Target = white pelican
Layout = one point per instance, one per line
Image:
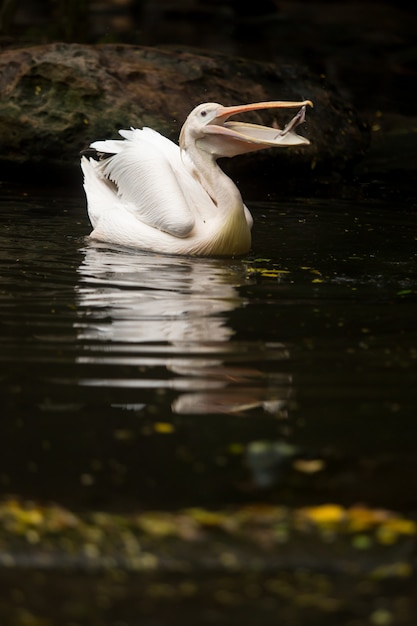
(145, 191)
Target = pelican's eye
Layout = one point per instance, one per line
(203, 113)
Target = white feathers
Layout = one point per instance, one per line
(144, 168)
(146, 192)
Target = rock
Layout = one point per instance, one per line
(57, 98)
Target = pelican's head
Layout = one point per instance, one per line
(207, 128)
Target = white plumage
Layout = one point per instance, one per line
(145, 191)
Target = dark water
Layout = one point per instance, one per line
(134, 380)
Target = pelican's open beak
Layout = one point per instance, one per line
(224, 138)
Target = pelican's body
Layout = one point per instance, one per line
(149, 193)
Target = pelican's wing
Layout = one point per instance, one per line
(150, 179)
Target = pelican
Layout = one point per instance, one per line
(145, 191)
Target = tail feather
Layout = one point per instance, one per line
(100, 191)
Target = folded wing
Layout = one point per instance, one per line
(150, 180)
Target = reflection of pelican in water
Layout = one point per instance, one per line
(152, 314)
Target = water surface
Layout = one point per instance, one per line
(133, 380)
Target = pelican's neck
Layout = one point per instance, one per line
(232, 235)
(221, 189)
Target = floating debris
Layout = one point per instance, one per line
(259, 536)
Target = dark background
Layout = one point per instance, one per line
(366, 50)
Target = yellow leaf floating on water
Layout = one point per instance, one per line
(393, 570)
(268, 272)
(30, 516)
(389, 527)
(204, 517)
(309, 466)
(362, 518)
(164, 428)
(157, 524)
(310, 269)
(273, 273)
(390, 531)
(359, 519)
(20, 517)
(325, 515)
(403, 526)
